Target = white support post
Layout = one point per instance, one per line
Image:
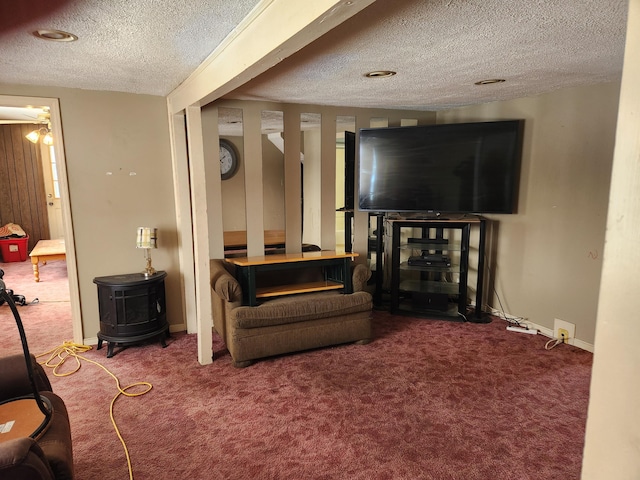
(204, 319)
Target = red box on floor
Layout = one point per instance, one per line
(14, 249)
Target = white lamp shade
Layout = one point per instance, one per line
(147, 237)
(33, 136)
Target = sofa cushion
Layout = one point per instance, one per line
(300, 308)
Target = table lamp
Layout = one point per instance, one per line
(147, 239)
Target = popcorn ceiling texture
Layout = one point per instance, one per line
(141, 46)
(439, 49)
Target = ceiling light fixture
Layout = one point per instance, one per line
(43, 132)
(55, 35)
(490, 81)
(380, 74)
(34, 136)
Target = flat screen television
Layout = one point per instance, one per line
(446, 168)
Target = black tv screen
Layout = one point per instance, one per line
(447, 168)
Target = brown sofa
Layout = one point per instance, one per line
(48, 458)
(290, 323)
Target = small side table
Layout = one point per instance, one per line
(44, 251)
(132, 309)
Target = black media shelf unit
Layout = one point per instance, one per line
(430, 267)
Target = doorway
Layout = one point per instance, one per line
(52, 192)
(7, 103)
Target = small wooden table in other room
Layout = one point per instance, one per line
(44, 251)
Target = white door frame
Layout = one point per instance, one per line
(61, 162)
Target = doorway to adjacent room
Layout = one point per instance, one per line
(17, 109)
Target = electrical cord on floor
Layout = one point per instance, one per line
(59, 355)
(555, 341)
(500, 313)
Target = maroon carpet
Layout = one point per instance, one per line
(47, 315)
(426, 399)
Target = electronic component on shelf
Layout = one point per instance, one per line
(429, 261)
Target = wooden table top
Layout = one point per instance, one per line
(48, 247)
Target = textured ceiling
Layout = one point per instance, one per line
(137, 46)
(439, 49)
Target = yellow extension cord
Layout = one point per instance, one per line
(59, 355)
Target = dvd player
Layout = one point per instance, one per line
(429, 261)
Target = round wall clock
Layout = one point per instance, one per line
(228, 159)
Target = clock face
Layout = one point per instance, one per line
(228, 160)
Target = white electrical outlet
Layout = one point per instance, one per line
(570, 328)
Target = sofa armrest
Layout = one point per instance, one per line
(14, 380)
(228, 288)
(223, 283)
(22, 458)
(361, 274)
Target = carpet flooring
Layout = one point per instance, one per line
(426, 399)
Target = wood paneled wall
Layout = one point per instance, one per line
(22, 196)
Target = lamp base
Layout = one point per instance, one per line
(149, 271)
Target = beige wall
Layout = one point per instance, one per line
(233, 191)
(122, 134)
(272, 185)
(312, 188)
(548, 257)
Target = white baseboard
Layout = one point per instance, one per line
(576, 342)
(547, 332)
(584, 345)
